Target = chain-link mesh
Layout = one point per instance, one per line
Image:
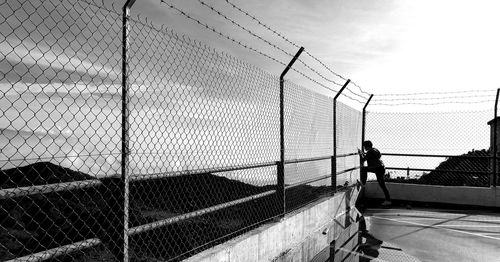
(59, 124)
(437, 148)
(308, 135)
(195, 112)
(203, 137)
(349, 129)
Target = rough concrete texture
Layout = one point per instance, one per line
(300, 236)
(346, 244)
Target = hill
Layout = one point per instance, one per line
(38, 222)
(456, 171)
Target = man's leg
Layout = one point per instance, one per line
(363, 175)
(360, 202)
(380, 179)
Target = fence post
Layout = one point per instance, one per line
(281, 163)
(493, 180)
(125, 131)
(364, 120)
(363, 127)
(334, 157)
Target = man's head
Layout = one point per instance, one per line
(367, 145)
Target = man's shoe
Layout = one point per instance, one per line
(386, 203)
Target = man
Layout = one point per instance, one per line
(374, 165)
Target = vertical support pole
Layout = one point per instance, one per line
(281, 163)
(334, 157)
(125, 132)
(363, 127)
(494, 176)
(364, 120)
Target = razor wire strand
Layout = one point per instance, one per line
(436, 103)
(210, 28)
(268, 42)
(431, 98)
(438, 93)
(290, 42)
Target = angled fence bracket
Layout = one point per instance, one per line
(334, 156)
(363, 131)
(281, 164)
(363, 128)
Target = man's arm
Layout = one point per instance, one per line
(362, 156)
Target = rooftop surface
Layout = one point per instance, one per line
(431, 234)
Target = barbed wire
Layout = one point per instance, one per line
(262, 24)
(361, 90)
(439, 103)
(268, 43)
(220, 33)
(431, 112)
(435, 93)
(356, 94)
(431, 98)
(210, 28)
(243, 28)
(290, 42)
(354, 99)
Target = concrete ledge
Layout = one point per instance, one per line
(299, 236)
(473, 196)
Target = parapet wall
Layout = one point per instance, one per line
(304, 235)
(472, 196)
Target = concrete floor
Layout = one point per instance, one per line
(438, 235)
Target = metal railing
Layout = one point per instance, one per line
(455, 170)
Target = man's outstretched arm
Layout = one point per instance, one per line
(362, 155)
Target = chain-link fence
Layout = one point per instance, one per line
(185, 159)
(435, 148)
(349, 135)
(59, 120)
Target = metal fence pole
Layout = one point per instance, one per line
(364, 120)
(334, 157)
(125, 129)
(281, 163)
(363, 127)
(493, 181)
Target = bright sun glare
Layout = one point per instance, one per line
(443, 46)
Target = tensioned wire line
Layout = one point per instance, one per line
(431, 98)
(240, 43)
(435, 93)
(274, 46)
(250, 48)
(292, 43)
(435, 103)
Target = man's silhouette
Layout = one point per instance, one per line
(374, 165)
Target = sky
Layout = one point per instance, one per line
(385, 46)
(63, 69)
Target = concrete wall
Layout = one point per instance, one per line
(303, 235)
(474, 196)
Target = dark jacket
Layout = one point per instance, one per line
(372, 157)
